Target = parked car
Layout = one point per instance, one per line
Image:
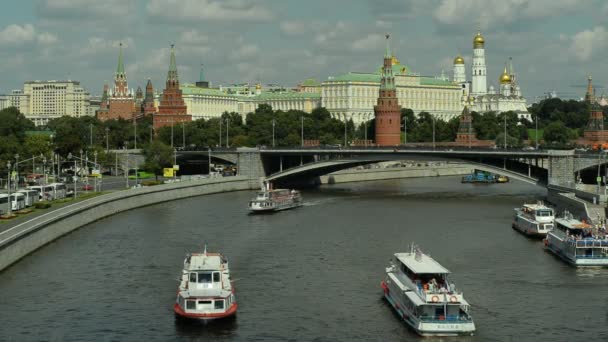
(88, 187)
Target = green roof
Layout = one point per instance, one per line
(435, 81)
(189, 89)
(310, 82)
(120, 69)
(356, 77)
(269, 95)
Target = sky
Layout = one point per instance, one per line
(555, 44)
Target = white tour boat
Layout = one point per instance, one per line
(417, 287)
(205, 291)
(534, 219)
(578, 243)
(274, 200)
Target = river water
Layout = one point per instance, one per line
(309, 274)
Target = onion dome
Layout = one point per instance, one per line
(478, 41)
(505, 78)
(258, 86)
(458, 60)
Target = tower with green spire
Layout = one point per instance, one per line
(201, 83)
(387, 111)
(121, 88)
(172, 108)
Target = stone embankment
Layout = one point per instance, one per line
(24, 238)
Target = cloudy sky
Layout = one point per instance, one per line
(554, 43)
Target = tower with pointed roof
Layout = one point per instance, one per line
(121, 104)
(596, 116)
(171, 109)
(387, 112)
(466, 133)
(148, 104)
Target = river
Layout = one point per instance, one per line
(309, 274)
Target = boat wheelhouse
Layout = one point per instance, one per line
(205, 291)
(578, 242)
(419, 290)
(534, 219)
(275, 200)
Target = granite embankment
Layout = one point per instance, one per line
(24, 238)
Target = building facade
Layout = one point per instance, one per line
(41, 101)
(172, 108)
(508, 97)
(119, 99)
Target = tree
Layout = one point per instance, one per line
(157, 156)
(558, 133)
(12, 122)
(38, 144)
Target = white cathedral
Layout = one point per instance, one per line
(507, 98)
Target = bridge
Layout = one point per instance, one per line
(305, 165)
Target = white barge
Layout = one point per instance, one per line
(418, 288)
(275, 200)
(205, 291)
(534, 219)
(577, 242)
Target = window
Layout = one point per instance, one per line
(190, 304)
(204, 302)
(219, 304)
(216, 277)
(204, 277)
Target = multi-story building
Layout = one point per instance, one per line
(353, 95)
(41, 101)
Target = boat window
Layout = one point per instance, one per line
(219, 304)
(193, 277)
(544, 213)
(191, 304)
(204, 277)
(204, 302)
(216, 277)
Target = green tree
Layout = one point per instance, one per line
(558, 134)
(37, 144)
(13, 123)
(157, 156)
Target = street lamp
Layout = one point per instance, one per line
(227, 132)
(183, 135)
(302, 129)
(107, 140)
(46, 180)
(135, 133)
(273, 124)
(221, 131)
(16, 170)
(504, 115)
(10, 204)
(365, 129)
(91, 135)
(433, 117)
(345, 120)
(86, 165)
(126, 168)
(151, 133)
(171, 132)
(98, 169)
(405, 130)
(75, 177)
(536, 131)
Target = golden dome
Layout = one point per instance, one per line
(478, 41)
(505, 78)
(395, 61)
(458, 60)
(258, 86)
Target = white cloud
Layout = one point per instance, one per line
(15, 34)
(295, 27)
(195, 10)
(497, 12)
(585, 43)
(84, 9)
(372, 41)
(193, 37)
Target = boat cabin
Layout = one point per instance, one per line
(538, 212)
(585, 241)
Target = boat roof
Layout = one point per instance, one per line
(421, 263)
(537, 206)
(572, 223)
(205, 261)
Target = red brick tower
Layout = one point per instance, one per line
(120, 100)
(172, 108)
(387, 111)
(148, 104)
(594, 132)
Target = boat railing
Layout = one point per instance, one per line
(446, 319)
(589, 243)
(439, 295)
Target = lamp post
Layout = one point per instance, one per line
(75, 177)
(345, 130)
(98, 169)
(183, 135)
(174, 161)
(86, 165)
(90, 135)
(227, 132)
(432, 116)
(151, 133)
(10, 204)
(171, 133)
(127, 164)
(107, 140)
(405, 130)
(209, 160)
(365, 130)
(505, 125)
(536, 131)
(221, 131)
(273, 124)
(302, 129)
(135, 134)
(16, 170)
(598, 179)
(46, 180)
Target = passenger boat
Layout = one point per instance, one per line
(578, 242)
(274, 200)
(419, 290)
(205, 291)
(534, 219)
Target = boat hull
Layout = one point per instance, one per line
(574, 261)
(179, 312)
(435, 328)
(255, 210)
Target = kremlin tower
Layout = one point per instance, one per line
(387, 111)
(172, 108)
(594, 134)
(148, 104)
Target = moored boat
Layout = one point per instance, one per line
(577, 242)
(275, 200)
(418, 288)
(205, 291)
(534, 219)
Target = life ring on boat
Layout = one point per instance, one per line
(546, 242)
(435, 299)
(453, 299)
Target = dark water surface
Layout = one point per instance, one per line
(309, 274)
